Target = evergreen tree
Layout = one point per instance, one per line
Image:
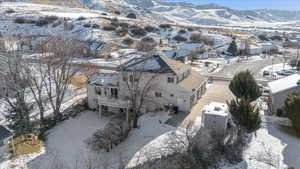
(292, 107)
(233, 49)
(244, 114)
(244, 86)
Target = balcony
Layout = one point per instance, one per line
(119, 102)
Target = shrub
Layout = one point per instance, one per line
(292, 107)
(95, 26)
(56, 24)
(165, 26)
(41, 22)
(263, 37)
(180, 38)
(81, 18)
(276, 37)
(136, 31)
(245, 114)
(117, 12)
(51, 19)
(146, 44)
(182, 31)
(121, 32)
(151, 28)
(9, 11)
(191, 29)
(109, 28)
(128, 41)
(131, 15)
(196, 38)
(19, 20)
(87, 25)
(124, 25)
(115, 22)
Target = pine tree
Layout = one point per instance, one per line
(244, 114)
(244, 86)
(233, 49)
(292, 107)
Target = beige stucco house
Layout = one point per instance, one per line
(174, 85)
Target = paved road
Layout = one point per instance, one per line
(254, 66)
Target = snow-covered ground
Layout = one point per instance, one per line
(65, 142)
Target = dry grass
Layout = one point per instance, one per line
(24, 145)
(79, 81)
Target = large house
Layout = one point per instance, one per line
(280, 89)
(174, 85)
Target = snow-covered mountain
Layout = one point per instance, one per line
(211, 14)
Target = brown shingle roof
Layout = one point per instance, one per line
(176, 66)
(192, 82)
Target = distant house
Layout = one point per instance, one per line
(177, 87)
(279, 90)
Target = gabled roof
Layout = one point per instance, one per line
(4, 133)
(284, 83)
(155, 63)
(192, 82)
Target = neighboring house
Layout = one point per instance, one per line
(279, 89)
(177, 87)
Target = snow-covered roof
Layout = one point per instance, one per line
(215, 108)
(155, 63)
(103, 79)
(284, 83)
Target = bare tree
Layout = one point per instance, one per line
(139, 83)
(57, 69)
(15, 96)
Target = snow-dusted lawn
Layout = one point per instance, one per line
(66, 141)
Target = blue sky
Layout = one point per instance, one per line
(250, 4)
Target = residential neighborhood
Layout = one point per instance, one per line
(149, 84)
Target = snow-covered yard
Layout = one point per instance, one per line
(65, 142)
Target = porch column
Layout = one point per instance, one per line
(127, 116)
(100, 111)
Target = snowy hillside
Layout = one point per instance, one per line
(210, 14)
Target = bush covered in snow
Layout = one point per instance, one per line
(165, 26)
(21, 20)
(150, 28)
(109, 28)
(131, 15)
(180, 38)
(182, 31)
(138, 32)
(128, 41)
(114, 133)
(146, 44)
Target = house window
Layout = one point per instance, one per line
(170, 79)
(114, 92)
(157, 94)
(98, 90)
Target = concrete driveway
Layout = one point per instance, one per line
(217, 92)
